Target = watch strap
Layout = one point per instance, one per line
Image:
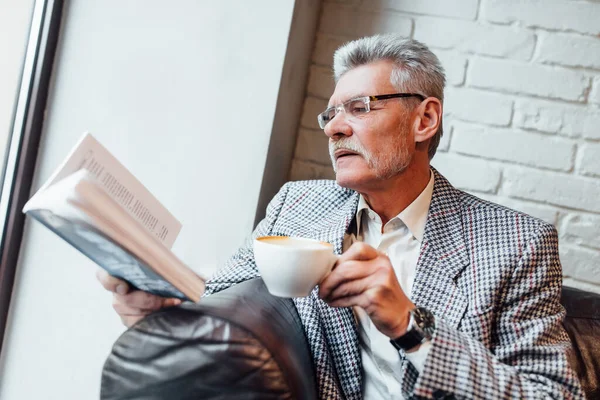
(409, 340)
(420, 328)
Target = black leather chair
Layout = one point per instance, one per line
(243, 343)
(583, 326)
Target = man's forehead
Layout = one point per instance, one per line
(365, 80)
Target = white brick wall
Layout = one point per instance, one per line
(527, 79)
(527, 148)
(464, 9)
(476, 105)
(553, 15)
(570, 50)
(579, 120)
(471, 37)
(590, 160)
(522, 109)
(595, 95)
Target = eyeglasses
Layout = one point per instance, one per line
(358, 106)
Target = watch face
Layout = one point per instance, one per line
(424, 320)
(422, 329)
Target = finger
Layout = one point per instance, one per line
(139, 299)
(145, 300)
(344, 272)
(359, 251)
(171, 302)
(124, 309)
(111, 283)
(351, 288)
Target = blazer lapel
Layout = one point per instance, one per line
(443, 256)
(332, 332)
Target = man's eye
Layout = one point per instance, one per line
(357, 107)
(329, 114)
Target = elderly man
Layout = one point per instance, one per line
(436, 293)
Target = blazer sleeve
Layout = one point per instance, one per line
(527, 356)
(241, 266)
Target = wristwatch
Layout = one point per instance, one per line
(420, 329)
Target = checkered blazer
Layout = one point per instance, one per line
(490, 275)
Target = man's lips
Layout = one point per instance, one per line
(344, 153)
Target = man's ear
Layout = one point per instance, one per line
(428, 119)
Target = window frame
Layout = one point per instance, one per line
(24, 139)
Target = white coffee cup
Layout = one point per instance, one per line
(292, 266)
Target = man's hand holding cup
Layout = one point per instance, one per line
(361, 277)
(364, 277)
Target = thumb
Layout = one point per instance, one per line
(111, 283)
(171, 302)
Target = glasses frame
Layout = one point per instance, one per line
(366, 100)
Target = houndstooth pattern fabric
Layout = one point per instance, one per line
(490, 275)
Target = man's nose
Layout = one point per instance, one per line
(338, 126)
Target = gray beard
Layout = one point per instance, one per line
(384, 167)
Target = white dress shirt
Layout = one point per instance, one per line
(400, 239)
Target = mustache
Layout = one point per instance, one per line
(346, 144)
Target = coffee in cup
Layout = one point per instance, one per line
(292, 266)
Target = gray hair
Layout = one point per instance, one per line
(416, 70)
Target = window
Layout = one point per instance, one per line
(25, 72)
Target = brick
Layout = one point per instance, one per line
(312, 108)
(576, 283)
(595, 93)
(537, 80)
(446, 137)
(312, 145)
(320, 82)
(552, 117)
(578, 16)
(590, 160)
(325, 46)
(580, 263)
(455, 66)
(559, 189)
(472, 37)
(582, 230)
(464, 9)
(570, 50)
(304, 170)
(520, 147)
(339, 20)
(478, 106)
(468, 173)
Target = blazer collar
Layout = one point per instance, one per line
(443, 256)
(444, 226)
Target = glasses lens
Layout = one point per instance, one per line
(357, 106)
(326, 116)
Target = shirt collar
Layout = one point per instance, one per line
(413, 216)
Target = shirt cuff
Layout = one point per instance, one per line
(417, 358)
